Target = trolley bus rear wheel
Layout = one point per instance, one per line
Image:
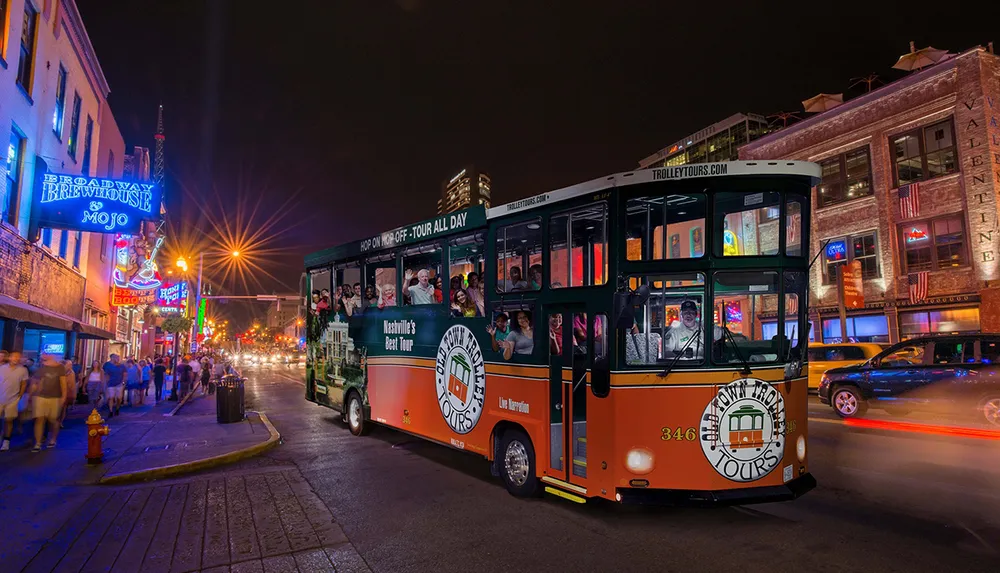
(847, 402)
(517, 464)
(355, 413)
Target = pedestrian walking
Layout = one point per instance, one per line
(47, 398)
(13, 385)
(218, 371)
(133, 378)
(145, 371)
(195, 364)
(94, 383)
(72, 386)
(159, 373)
(206, 375)
(114, 383)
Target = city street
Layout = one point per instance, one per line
(887, 501)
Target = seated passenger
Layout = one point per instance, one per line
(535, 275)
(515, 282)
(520, 341)
(688, 330)
(463, 307)
(499, 331)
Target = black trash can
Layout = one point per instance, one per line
(229, 406)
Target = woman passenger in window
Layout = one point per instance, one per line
(456, 285)
(535, 274)
(463, 305)
(386, 295)
(515, 282)
(475, 294)
(555, 334)
(439, 291)
(520, 341)
(371, 299)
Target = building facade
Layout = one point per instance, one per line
(718, 142)
(911, 173)
(469, 187)
(53, 106)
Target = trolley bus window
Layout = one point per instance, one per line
(578, 248)
(669, 325)
(796, 329)
(519, 257)
(747, 223)
(600, 381)
(512, 332)
(669, 227)
(741, 297)
(793, 226)
(380, 276)
(465, 269)
(421, 275)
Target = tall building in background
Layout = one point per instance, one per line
(469, 187)
(718, 142)
(137, 165)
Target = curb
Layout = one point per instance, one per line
(193, 466)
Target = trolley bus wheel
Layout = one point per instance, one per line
(517, 464)
(355, 414)
(847, 402)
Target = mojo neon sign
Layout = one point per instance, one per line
(93, 204)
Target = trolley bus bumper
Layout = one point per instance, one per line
(766, 494)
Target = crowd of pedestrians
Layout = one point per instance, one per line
(42, 394)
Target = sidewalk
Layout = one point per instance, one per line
(145, 442)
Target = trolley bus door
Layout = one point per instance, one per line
(569, 365)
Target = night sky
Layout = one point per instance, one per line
(364, 107)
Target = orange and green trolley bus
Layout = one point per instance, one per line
(638, 337)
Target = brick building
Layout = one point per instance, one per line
(938, 128)
(53, 108)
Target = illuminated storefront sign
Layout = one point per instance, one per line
(131, 297)
(135, 263)
(93, 204)
(172, 298)
(836, 251)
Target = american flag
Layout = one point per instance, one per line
(918, 286)
(909, 200)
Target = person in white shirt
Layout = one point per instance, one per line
(679, 335)
(13, 383)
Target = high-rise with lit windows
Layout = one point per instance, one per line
(468, 187)
(717, 142)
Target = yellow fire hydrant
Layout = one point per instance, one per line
(95, 429)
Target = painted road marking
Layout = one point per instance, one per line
(296, 380)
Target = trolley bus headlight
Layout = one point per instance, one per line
(639, 461)
(800, 448)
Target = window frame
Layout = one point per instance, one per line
(419, 251)
(933, 245)
(650, 278)
(59, 121)
(547, 241)
(88, 140)
(919, 133)
(74, 127)
(649, 234)
(12, 207)
(848, 240)
(841, 159)
(30, 17)
(499, 278)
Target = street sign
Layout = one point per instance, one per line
(851, 285)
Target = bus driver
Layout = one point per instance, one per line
(679, 335)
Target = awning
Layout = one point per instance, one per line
(14, 309)
(24, 312)
(92, 332)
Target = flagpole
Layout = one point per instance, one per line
(840, 302)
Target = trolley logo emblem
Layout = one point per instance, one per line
(743, 430)
(460, 377)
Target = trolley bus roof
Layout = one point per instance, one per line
(477, 216)
(675, 173)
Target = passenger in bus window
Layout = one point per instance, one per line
(423, 291)
(456, 285)
(475, 294)
(357, 296)
(499, 331)
(439, 290)
(370, 300)
(535, 274)
(555, 334)
(463, 306)
(386, 295)
(520, 341)
(515, 282)
(323, 307)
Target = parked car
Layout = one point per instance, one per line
(943, 374)
(823, 357)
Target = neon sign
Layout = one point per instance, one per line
(93, 204)
(135, 264)
(836, 251)
(915, 234)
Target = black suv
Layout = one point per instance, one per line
(943, 374)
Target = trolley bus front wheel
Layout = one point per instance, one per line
(517, 464)
(355, 414)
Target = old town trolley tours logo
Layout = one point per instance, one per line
(743, 429)
(460, 377)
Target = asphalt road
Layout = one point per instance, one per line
(888, 500)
